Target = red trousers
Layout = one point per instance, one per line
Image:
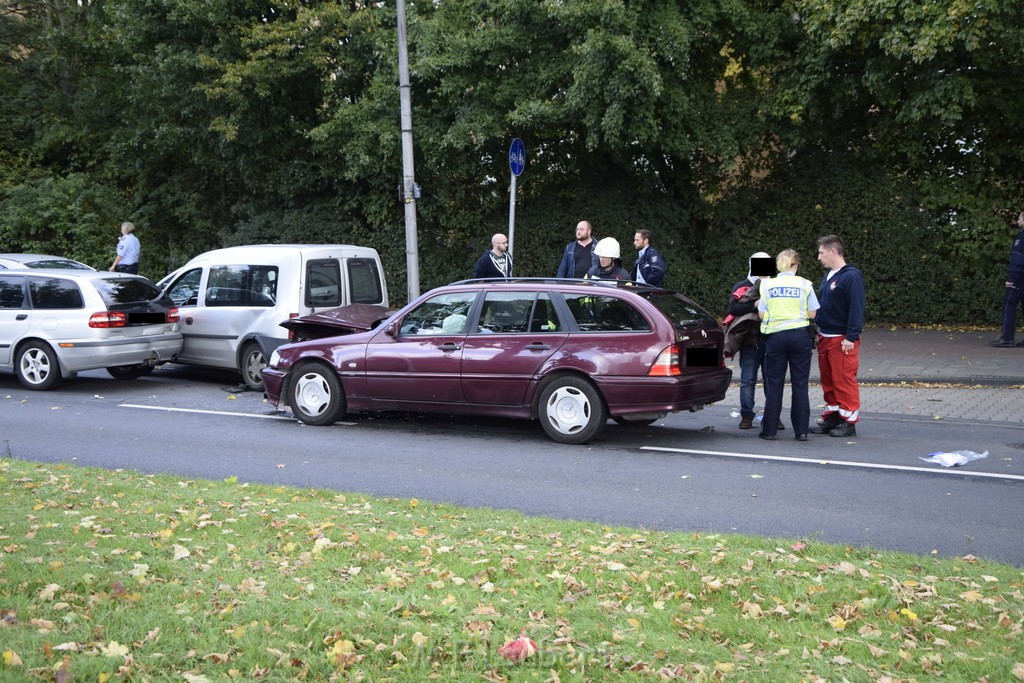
(839, 378)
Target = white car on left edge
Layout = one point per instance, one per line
(55, 323)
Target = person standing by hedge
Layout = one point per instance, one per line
(128, 251)
(650, 266)
(495, 262)
(578, 257)
(840, 321)
(1014, 285)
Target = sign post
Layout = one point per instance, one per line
(516, 164)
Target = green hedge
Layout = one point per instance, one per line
(887, 232)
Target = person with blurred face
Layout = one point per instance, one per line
(742, 325)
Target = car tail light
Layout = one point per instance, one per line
(172, 314)
(667, 364)
(291, 333)
(107, 319)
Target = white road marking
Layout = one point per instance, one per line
(841, 463)
(218, 412)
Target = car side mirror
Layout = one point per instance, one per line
(390, 331)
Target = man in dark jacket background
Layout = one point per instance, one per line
(578, 257)
(1014, 294)
(496, 261)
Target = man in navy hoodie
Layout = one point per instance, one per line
(840, 321)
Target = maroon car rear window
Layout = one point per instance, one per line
(682, 312)
(597, 313)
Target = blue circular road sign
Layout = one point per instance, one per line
(517, 157)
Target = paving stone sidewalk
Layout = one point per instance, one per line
(901, 355)
(979, 382)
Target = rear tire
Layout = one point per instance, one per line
(251, 364)
(37, 367)
(315, 394)
(571, 410)
(128, 372)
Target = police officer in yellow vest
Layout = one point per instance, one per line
(788, 303)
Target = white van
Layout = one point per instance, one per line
(232, 301)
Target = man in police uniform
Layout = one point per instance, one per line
(786, 308)
(649, 266)
(1014, 295)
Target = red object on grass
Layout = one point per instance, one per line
(519, 649)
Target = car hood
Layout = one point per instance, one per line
(351, 318)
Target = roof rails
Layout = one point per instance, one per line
(620, 284)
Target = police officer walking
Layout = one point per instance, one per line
(787, 305)
(1014, 294)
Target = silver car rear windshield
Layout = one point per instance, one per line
(126, 291)
(62, 264)
(682, 312)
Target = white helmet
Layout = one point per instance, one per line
(608, 247)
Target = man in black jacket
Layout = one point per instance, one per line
(496, 261)
(1014, 289)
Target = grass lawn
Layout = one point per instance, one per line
(116, 575)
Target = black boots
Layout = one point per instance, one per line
(826, 425)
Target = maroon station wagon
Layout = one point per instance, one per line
(571, 353)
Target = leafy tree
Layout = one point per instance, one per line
(928, 90)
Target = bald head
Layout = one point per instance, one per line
(499, 243)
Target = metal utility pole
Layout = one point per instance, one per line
(412, 258)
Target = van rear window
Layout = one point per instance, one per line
(242, 285)
(323, 284)
(365, 278)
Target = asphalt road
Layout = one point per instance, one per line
(689, 472)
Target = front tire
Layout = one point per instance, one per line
(315, 394)
(571, 410)
(251, 364)
(128, 372)
(38, 368)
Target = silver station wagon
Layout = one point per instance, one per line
(54, 323)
